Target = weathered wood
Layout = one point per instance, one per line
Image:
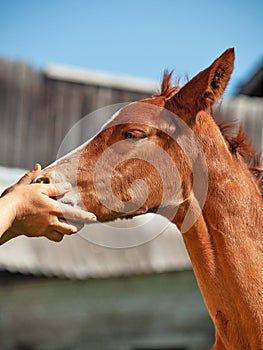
(36, 111)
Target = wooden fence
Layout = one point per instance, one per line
(38, 108)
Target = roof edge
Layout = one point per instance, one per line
(98, 78)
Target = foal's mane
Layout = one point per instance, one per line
(167, 89)
(233, 133)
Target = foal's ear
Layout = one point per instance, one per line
(201, 92)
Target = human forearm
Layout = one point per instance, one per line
(7, 210)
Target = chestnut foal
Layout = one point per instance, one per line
(224, 237)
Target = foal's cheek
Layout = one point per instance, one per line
(123, 147)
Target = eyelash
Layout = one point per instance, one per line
(134, 135)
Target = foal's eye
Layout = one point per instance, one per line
(134, 134)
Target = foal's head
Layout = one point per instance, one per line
(144, 158)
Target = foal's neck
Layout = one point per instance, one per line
(225, 247)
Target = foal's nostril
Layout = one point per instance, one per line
(43, 180)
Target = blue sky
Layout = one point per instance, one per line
(137, 37)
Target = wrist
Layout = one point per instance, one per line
(10, 202)
(8, 207)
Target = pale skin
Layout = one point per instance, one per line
(27, 209)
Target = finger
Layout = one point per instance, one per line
(77, 224)
(56, 190)
(75, 214)
(30, 176)
(65, 228)
(54, 236)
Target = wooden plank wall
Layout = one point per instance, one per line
(36, 112)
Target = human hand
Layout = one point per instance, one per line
(35, 214)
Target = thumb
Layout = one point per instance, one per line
(30, 176)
